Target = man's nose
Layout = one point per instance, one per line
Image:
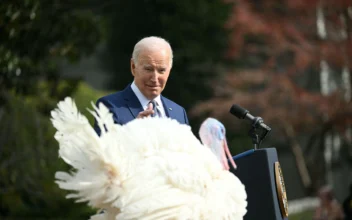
(154, 77)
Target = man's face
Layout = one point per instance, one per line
(152, 71)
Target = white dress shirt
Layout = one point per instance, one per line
(144, 101)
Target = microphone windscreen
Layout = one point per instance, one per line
(238, 111)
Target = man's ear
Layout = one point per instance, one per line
(133, 67)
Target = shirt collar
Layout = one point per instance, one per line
(142, 99)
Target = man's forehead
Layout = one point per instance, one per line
(154, 57)
(154, 62)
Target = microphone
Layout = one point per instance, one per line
(242, 113)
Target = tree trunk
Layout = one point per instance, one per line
(325, 90)
(299, 157)
(346, 18)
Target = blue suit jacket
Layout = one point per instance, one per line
(125, 107)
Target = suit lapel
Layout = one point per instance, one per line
(132, 102)
(168, 110)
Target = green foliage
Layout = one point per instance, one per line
(84, 96)
(195, 30)
(28, 162)
(36, 34)
(302, 216)
(29, 158)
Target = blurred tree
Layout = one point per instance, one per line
(277, 73)
(29, 160)
(195, 30)
(37, 34)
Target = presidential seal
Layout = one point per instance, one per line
(281, 190)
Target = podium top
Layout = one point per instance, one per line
(249, 152)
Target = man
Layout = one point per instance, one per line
(151, 64)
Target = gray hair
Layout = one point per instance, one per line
(150, 43)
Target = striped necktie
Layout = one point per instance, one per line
(156, 110)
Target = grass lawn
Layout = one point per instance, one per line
(307, 215)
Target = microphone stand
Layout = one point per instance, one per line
(255, 137)
(258, 137)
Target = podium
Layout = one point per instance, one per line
(259, 170)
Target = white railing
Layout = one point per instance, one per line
(301, 205)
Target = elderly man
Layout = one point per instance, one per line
(151, 63)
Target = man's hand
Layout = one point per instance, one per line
(149, 111)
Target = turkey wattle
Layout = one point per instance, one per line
(151, 168)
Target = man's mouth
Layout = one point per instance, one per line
(152, 87)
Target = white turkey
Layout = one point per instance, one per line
(151, 168)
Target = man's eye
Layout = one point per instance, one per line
(149, 69)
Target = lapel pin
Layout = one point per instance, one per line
(170, 109)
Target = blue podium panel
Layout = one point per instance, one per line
(260, 172)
